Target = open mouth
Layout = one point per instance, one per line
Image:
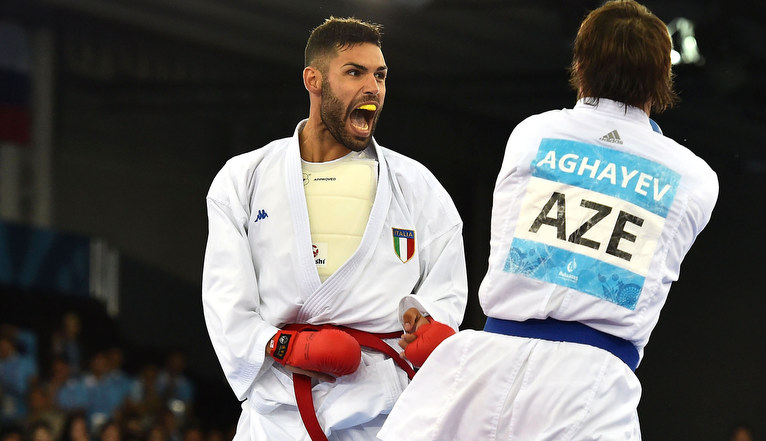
(361, 117)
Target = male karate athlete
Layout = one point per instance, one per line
(593, 211)
(322, 248)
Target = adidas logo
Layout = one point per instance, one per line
(612, 137)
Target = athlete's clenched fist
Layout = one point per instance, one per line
(422, 335)
(329, 351)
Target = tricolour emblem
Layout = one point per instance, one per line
(404, 243)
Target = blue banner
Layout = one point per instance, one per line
(44, 260)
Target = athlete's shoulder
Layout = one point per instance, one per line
(402, 163)
(540, 123)
(253, 158)
(544, 118)
(239, 171)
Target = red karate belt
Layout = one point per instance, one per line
(302, 383)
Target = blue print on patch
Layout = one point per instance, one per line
(586, 274)
(634, 179)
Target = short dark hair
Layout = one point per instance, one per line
(622, 53)
(335, 34)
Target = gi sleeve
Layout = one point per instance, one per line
(230, 295)
(443, 288)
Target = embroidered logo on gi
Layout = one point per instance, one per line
(404, 243)
(261, 215)
(612, 137)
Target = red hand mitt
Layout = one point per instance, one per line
(429, 337)
(331, 351)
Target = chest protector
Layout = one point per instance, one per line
(339, 196)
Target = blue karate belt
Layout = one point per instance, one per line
(572, 332)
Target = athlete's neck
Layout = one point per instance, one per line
(317, 143)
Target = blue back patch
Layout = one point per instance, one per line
(591, 219)
(632, 178)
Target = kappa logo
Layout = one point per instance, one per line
(261, 215)
(612, 137)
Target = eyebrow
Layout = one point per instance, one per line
(364, 68)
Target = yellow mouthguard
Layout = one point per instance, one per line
(371, 107)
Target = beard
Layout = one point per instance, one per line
(334, 115)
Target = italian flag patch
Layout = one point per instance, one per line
(404, 243)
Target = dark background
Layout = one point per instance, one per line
(152, 96)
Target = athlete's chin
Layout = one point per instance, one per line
(358, 147)
(358, 143)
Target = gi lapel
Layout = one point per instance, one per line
(303, 263)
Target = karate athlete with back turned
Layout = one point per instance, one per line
(593, 211)
(323, 247)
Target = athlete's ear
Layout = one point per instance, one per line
(312, 80)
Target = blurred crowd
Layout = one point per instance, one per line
(59, 387)
(66, 391)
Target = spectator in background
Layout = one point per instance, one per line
(40, 431)
(42, 410)
(76, 428)
(157, 432)
(144, 397)
(116, 376)
(132, 424)
(174, 386)
(104, 396)
(66, 390)
(67, 341)
(25, 340)
(68, 406)
(17, 371)
(171, 425)
(109, 431)
(192, 432)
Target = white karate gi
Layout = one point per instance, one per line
(593, 212)
(259, 275)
